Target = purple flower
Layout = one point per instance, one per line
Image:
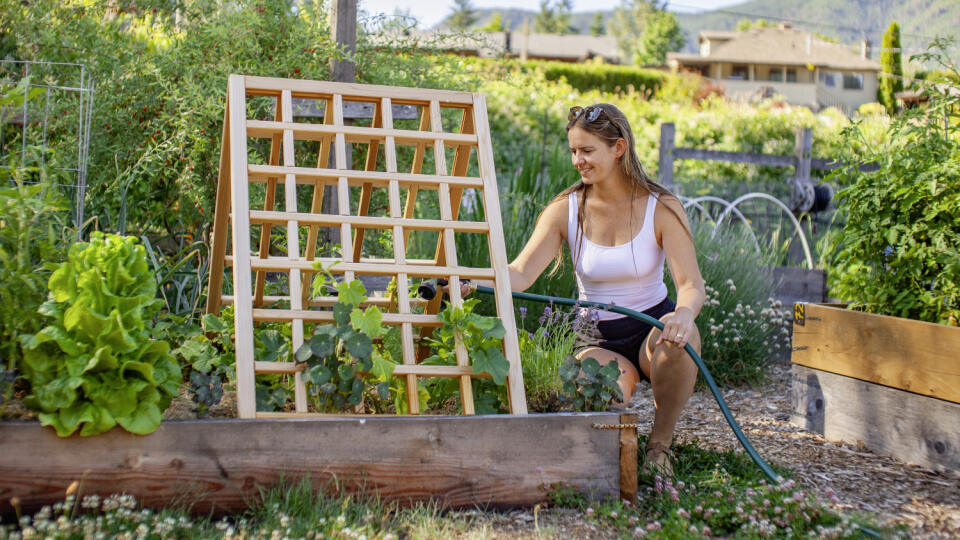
(523, 312)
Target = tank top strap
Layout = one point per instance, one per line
(649, 213)
(572, 210)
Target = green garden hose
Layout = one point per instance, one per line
(767, 470)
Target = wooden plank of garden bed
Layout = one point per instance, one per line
(219, 465)
(916, 356)
(916, 429)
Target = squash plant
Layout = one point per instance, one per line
(95, 365)
(483, 338)
(340, 358)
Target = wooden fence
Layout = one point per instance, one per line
(805, 192)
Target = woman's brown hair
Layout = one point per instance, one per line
(610, 126)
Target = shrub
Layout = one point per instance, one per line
(899, 252)
(95, 365)
(33, 234)
(604, 77)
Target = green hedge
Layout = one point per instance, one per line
(604, 77)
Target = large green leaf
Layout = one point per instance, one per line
(493, 362)
(367, 321)
(590, 366)
(274, 346)
(199, 353)
(352, 293)
(359, 346)
(67, 344)
(382, 368)
(322, 345)
(58, 393)
(102, 359)
(341, 313)
(214, 324)
(145, 419)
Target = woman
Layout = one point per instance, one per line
(621, 227)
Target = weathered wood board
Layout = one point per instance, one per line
(915, 356)
(916, 429)
(220, 465)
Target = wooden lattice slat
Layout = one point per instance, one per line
(448, 180)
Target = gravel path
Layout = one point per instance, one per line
(927, 501)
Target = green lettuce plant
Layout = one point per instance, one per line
(95, 365)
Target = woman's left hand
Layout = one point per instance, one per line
(677, 327)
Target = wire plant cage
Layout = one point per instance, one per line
(45, 115)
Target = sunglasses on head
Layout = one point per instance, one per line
(592, 113)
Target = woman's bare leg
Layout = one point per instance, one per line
(672, 375)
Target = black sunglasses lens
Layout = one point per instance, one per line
(575, 113)
(593, 113)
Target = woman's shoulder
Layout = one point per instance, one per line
(558, 208)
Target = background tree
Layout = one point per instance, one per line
(495, 24)
(891, 69)
(464, 15)
(645, 31)
(745, 24)
(597, 27)
(554, 17)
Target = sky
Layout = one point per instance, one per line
(430, 12)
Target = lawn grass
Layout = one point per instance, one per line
(715, 494)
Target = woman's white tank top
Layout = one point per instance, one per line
(629, 275)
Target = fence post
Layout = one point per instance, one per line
(343, 29)
(665, 166)
(802, 195)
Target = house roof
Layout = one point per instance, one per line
(784, 46)
(717, 34)
(572, 46)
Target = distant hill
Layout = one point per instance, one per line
(848, 21)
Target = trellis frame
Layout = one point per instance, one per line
(233, 213)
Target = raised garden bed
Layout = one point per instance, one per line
(890, 384)
(220, 465)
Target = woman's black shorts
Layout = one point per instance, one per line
(626, 335)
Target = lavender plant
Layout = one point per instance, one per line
(544, 351)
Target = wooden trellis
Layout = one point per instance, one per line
(249, 269)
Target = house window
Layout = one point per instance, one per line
(827, 79)
(739, 73)
(853, 81)
(776, 74)
(791, 75)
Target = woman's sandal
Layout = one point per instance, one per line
(658, 460)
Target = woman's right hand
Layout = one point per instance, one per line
(465, 289)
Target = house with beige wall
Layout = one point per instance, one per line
(795, 64)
